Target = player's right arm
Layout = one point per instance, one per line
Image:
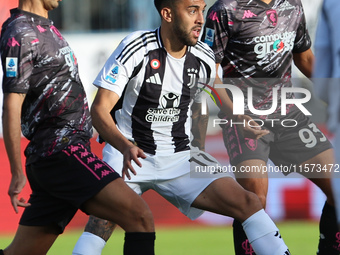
(111, 82)
(304, 62)
(11, 120)
(253, 130)
(15, 85)
(216, 34)
(102, 120)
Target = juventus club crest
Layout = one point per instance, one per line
(272, 17)
(192, 73)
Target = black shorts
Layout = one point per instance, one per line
(61, 183)
(292, 140)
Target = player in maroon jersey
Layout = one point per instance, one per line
(255, 42)
(45, 99)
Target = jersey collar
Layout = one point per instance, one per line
(270, 5)
(31, 16)
(159, 38)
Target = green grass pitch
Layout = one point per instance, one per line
(300, 236)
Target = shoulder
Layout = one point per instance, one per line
(222, 5)
(203, 52)
(137, 43)
(221, 10)
(18, 32)
(18, 26)
(141, 37)
(297, 2)
(290, 3)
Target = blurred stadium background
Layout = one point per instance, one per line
(94, 28)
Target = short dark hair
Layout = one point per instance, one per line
(160, 4)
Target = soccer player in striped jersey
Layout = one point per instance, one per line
(146, 92)
(255, 43)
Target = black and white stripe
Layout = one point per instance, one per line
(148, 75)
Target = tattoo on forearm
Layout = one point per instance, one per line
(100, 227)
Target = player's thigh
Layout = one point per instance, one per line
(320, 166)
(250, 157)
(241, 149)
(184, 176)
(118, 203)
(252, 176)
(227, 197)
(32, 240)
(297, 146)
(319, 170)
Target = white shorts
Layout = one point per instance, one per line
(169, 175)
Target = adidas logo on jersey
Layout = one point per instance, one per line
(155, 79)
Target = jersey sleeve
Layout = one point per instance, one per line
(216, 31)
(115, 74)
(207, 76)
(17, 55)
(302, 39)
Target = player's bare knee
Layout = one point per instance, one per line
(143, 220)
(147, 220)
(250, 204)
(263, 200)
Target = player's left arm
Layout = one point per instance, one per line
(102, 120)
(304, 61)
(12, 103)
(199, 125)
(302, 54)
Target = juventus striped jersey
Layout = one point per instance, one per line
(252, 40)
(38, 62)
(155, 89)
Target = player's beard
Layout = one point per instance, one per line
(183, 35)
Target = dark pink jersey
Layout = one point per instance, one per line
(38, 62)
(255, 41)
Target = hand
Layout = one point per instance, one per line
(131, 153)
(251, 129)
(17, 184)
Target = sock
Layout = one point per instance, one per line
(329, 242)
(241, 242)
(142, 243)
(88, 244)
(263, 235)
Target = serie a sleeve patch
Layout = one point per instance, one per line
(11, 67)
